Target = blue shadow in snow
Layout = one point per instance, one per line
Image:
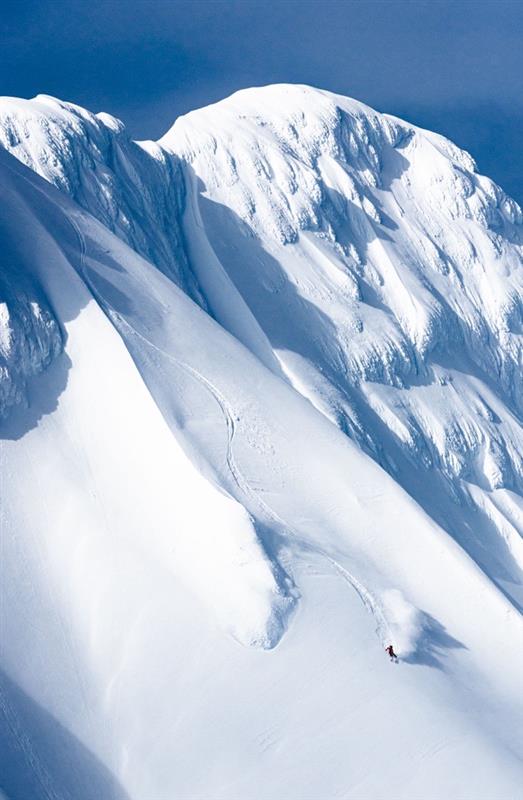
(433, 644)
(40, 759)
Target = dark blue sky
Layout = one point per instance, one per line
(453, 66)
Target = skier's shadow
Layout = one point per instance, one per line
(433, 644)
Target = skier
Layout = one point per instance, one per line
(392, 654)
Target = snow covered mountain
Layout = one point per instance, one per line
(261, 394)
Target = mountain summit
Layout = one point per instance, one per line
(261, 393)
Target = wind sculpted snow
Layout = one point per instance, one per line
(292, 423)
(388, 277)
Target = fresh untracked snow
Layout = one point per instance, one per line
(261, 395)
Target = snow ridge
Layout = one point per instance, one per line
(133, 188)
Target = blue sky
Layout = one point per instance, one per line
(455, 67)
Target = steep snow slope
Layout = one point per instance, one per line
(387, 275)
(363, 256)
(127, 572)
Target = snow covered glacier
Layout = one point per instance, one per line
(261, 396)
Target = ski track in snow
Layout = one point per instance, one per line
(369, 601)
(223, 404)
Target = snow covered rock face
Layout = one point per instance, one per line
(30, 334)
(29, 340)
(385, 272)
(133, 188)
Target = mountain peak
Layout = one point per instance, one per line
(272, 365)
